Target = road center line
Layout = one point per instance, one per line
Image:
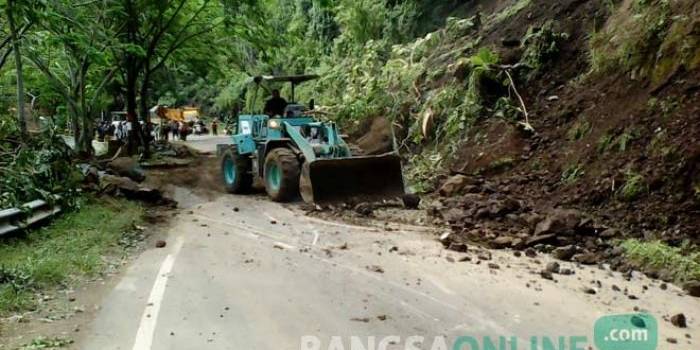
(147, 327)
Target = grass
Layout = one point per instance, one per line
(47, 343)
(510, 11)
(682, 262)
(579, 130)
(604, 143)
(73, 246)
(634, 187)
(572, 173)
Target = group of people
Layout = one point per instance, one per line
(180, 130)
(118, 130)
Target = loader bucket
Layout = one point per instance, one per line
(341, 179)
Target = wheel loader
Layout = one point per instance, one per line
(297, 153)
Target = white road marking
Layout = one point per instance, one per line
(285, 245)
(337, 224)
(147, 327)
(272, 218)
(439, 285)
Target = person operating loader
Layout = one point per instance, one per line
(275, 105)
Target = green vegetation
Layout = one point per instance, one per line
(579, 130)
(541, 47)
(644, 40)
(604, 143)
(37, 169)
(47, 343)
(683, 263)
(633, 188)
(572, 173)
(510, 11)
(623, 141)
(74, 246)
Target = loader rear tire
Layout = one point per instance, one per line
(281, 175)
(236, 171)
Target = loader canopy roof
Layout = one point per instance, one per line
(294, 79)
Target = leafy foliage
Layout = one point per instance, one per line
(36, 169)
(682, 262)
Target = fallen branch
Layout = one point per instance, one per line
(525, 124)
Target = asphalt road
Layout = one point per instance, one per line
(241, 272)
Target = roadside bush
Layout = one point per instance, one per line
(35, 168)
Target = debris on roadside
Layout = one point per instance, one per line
(375, 268)
(679, 321)
(127, 167)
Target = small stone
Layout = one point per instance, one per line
(411, 201)
(465, 258)
(375, 268)
(564, 253)
(672, 340)
(552, 267)
(589, 290)
(679, 321)
(274, 222)
(458, 247)
(161, 243)
(586, 258)
(494, 266)
(530, 253)
(381, 317)
(546, 275)
(663, 286)
(615, 288)
(484, 256)
(566, 272)
(236, 209)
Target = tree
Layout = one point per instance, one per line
(153, 31)
(71, 50)
(11, 9)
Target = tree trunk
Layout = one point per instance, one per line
(21, 118)
(136, 137)
(145, 115)
(74, 123)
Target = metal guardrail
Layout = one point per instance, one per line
(14, 219)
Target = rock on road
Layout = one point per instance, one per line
(242, 272)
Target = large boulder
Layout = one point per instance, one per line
(123, 186)
(128, 167)
(454, 185)
(559, 221)
(693, 288)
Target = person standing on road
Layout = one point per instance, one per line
(214, 128)
(175, 127)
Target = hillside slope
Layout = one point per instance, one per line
(529, 107)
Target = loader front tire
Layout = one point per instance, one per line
(281, 175)
(236, 172)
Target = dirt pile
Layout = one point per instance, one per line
(614, 150)
(480, 210)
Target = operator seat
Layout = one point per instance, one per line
(294, 110)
